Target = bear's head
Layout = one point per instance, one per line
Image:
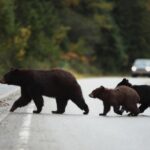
(12, 77)
(125, 82)
(98, 93)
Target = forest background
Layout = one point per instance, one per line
(84, 36)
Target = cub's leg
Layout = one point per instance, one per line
(134, 110)
(143, 107)
(106, 109)
(117, 109)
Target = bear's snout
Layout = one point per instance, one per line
(91, 95)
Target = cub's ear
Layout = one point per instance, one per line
(102, 87)
(125, 80)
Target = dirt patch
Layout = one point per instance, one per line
(3, 103)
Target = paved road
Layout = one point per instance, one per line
(22, 130)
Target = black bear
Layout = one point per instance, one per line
(56, 83)
(121, 96)
(142, 90)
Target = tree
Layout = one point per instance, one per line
(41, 18)
(8, 30)
(110, 45)
(133, 18)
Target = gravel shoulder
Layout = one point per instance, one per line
(7, 96)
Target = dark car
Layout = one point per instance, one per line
(141, 67)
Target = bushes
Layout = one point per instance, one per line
(88, 36)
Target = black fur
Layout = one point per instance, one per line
(142, 90)
(56, 83)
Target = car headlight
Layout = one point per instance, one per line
(133, 68)
(147, 68)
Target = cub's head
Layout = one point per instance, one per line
(98, 92)
(12, 77)
(125, 82)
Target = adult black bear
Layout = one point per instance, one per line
(142, 90)
(56, 83)
(121, 96)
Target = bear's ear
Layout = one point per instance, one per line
(14, 69)
(125, 80)
(102, 87)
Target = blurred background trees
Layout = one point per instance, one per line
(86, 36)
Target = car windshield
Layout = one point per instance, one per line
(142, 62)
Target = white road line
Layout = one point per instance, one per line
(24, 133)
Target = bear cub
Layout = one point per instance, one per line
(56, 83)
(142, 90)
(121, 96)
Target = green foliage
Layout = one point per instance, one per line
(7, 18)
(8, 29)
(87, 36)
(133, 18)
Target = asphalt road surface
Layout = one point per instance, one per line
(22, 130)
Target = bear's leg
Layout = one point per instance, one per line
(123, 108)
(39, 102)
(80, 102)
(134, 110)
(22, 101)
(116, 110)
(143, 107)
(106, 109)
(61, 105)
